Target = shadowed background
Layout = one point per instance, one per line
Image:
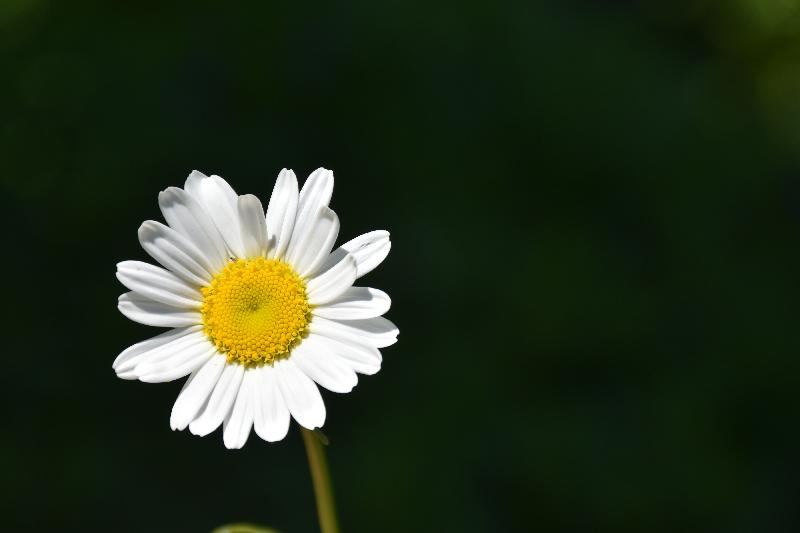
(595, 224)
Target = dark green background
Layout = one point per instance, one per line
(595, 215)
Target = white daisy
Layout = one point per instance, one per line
(260, 307)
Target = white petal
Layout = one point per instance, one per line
(378, 332)
(269, 409)
(146, 311)
(220, 200)
(254, 226)
(316, 193)
(301, 394)
(311, 245)
(220, 402)
(175, 252)
(186, 216)
(369, 250)
(195, 392)
(327, 286)
(354, 303)
(237, 425)
(183, 366)
(129, 375)
(319, 363)
(361, 357)
(156, 356)
(129, 358)
(281, 213)
(158, 284)
(176, 361)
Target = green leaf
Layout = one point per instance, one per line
(244, 528)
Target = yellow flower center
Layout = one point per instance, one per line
(255, 310)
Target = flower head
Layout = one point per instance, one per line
(261, 309)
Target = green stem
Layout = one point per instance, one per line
(322, 482)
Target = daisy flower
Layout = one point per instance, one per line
(261, 310)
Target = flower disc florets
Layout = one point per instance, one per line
(255, 310)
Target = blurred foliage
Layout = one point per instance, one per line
(757, 44)
(595, 224)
